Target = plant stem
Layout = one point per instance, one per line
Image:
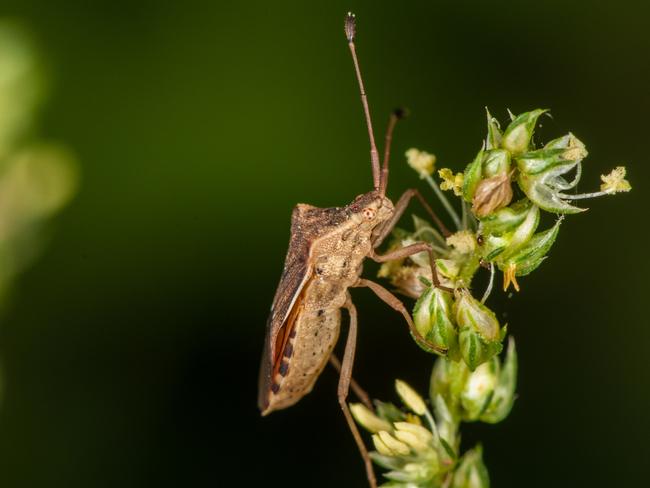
(585, 195)
(488, 290)
(445, 203)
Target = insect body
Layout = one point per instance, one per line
(324, 260)
(326, 252)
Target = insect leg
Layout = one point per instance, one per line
(404, 252)
(344, 386)
(400, 208)
(358, 391)
(396, 304)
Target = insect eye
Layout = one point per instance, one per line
(369, 213)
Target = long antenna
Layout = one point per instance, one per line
(397, 114)
(350, 31)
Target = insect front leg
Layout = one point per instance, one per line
(344, 386)
(404, 252)
(400, 208)
(396, 304)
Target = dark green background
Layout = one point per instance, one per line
(131, 349)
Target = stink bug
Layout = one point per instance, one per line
(324, 260)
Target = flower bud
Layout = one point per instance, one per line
(474, 349)
(451, 181)
(367, 418)
(496, 162)
(479, 389)
(393, 445)
(448, 380)
(416, 473)
(410, 397)
(492, 194)
(528, 257)
(471, 471)
(504, 232)
(506, 219)
(519, 133)
(479, 332)
(558, 152)
(504, 393)
(471, 313)
(541, 173)
(615, 181)
(494, 136)
(416, 436)
(408, 280)
(432, 317)
(381, 446)
(523, 233)
(447, 426)
(472, 176)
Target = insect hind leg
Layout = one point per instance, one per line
(344, 386)
(356, 388)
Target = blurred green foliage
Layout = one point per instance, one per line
(36, 178)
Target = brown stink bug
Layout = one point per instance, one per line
(324, 260)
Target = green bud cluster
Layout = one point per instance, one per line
(486, 394)
(422, 449)
(459, 324)
(503, 192)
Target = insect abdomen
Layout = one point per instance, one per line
(305, 355)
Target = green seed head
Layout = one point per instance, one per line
(519, 133)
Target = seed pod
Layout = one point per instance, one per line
(496, 162)
(432, 316)
(506, 219)
(519, 133)
(541, 173)
(492, 194)
(504, 392)
(529, 256)
(494, 135)
(471, 471)
(557, 152)
(474, 349)
(479, 388)
(448, 380)
(479, 333)
(472, 176)
(507, 230)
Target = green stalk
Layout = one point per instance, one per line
(445, 203)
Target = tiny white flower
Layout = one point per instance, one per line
(421, 161)
(615, 181)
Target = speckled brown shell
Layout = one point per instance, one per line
(325, 256)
